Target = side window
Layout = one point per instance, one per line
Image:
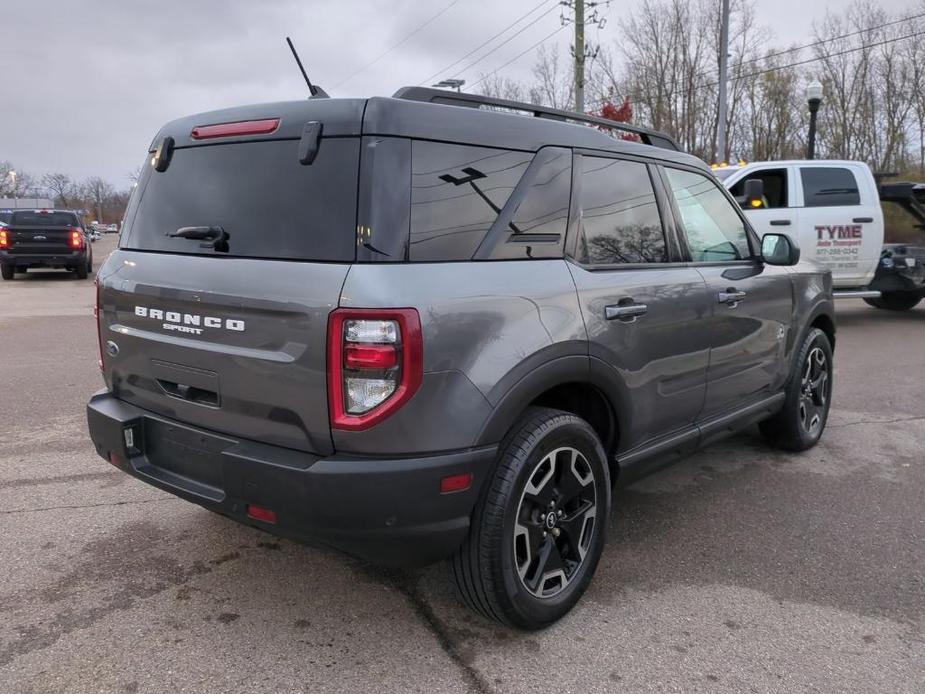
(536, 227)
(775, 187)
(825, 186)
(620, 222)
(713, 227)
(457, 192)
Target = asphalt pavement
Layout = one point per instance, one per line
(741, 569)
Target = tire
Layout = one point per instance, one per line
(81, 271)
(895, 301)
(801, 421)
(7, 271)
(547, 503)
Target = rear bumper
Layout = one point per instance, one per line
(61, 259)
(389, 511)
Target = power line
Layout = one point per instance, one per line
(505, 42)
(806, 61)
(834, 38)
(483, 44)
(394, 46)
(519, 55)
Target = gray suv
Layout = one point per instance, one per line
(442, 326)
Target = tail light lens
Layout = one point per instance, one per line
(76, 239)
(375, 364)
(4, 239)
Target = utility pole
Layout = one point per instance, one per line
(580, 56)
(581, 51)
(723, 77)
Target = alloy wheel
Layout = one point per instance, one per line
(555, 522)
(814, 391)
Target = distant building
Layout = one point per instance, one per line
(26, 203)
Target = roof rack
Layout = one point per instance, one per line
(441, 96)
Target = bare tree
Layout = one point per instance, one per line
(62, 188)
(97, 193)
(553, 85)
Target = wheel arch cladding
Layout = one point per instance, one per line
(564, 384)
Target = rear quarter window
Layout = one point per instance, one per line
(269, 204)
(457, 192)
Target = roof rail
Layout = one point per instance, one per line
(441, 96)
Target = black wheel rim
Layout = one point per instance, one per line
(555, 522)
(814, 391)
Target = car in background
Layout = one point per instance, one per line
(112, 229)
(44, 238)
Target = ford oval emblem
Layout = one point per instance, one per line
(112, 349)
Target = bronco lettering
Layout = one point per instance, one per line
(179, 322)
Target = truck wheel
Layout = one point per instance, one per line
(81, 271)
(896, 301)
(538, 530)
(7, 271)
(798, 426)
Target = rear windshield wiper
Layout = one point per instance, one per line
(218, 236)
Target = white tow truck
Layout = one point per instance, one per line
(832, 210)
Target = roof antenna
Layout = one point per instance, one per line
(312, 89)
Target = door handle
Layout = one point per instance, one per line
(862, 220)
(730, 297)
(780, 222)
(628, 313)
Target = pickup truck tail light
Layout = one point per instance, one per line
(375, 364)
(4, 239)
(75, 238)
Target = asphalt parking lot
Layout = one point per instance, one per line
(741, 569)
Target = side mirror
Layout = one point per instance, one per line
(754, 193)
(779, 249)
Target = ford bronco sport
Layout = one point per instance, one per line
(429, 327)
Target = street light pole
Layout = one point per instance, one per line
(813, 99)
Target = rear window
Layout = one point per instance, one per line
(825, 186)
(45, 219)
(268, 204)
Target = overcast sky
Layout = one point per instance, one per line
(87, 83)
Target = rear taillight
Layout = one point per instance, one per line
(97, 315)
(375, 364)
(4, 239)
(76, 239)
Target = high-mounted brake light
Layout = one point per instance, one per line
(244, 127)
(76, 239)
(375, 364)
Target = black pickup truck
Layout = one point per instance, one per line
(901, 272)
(44, 238)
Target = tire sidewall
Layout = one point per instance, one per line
(575, 433)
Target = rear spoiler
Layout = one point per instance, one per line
(441, 96)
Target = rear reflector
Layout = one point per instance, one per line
(116, 460)
(246, 127)
(456, 483)
(260, 513)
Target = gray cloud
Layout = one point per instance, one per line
(87, 84)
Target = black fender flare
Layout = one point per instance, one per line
(508, 403)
